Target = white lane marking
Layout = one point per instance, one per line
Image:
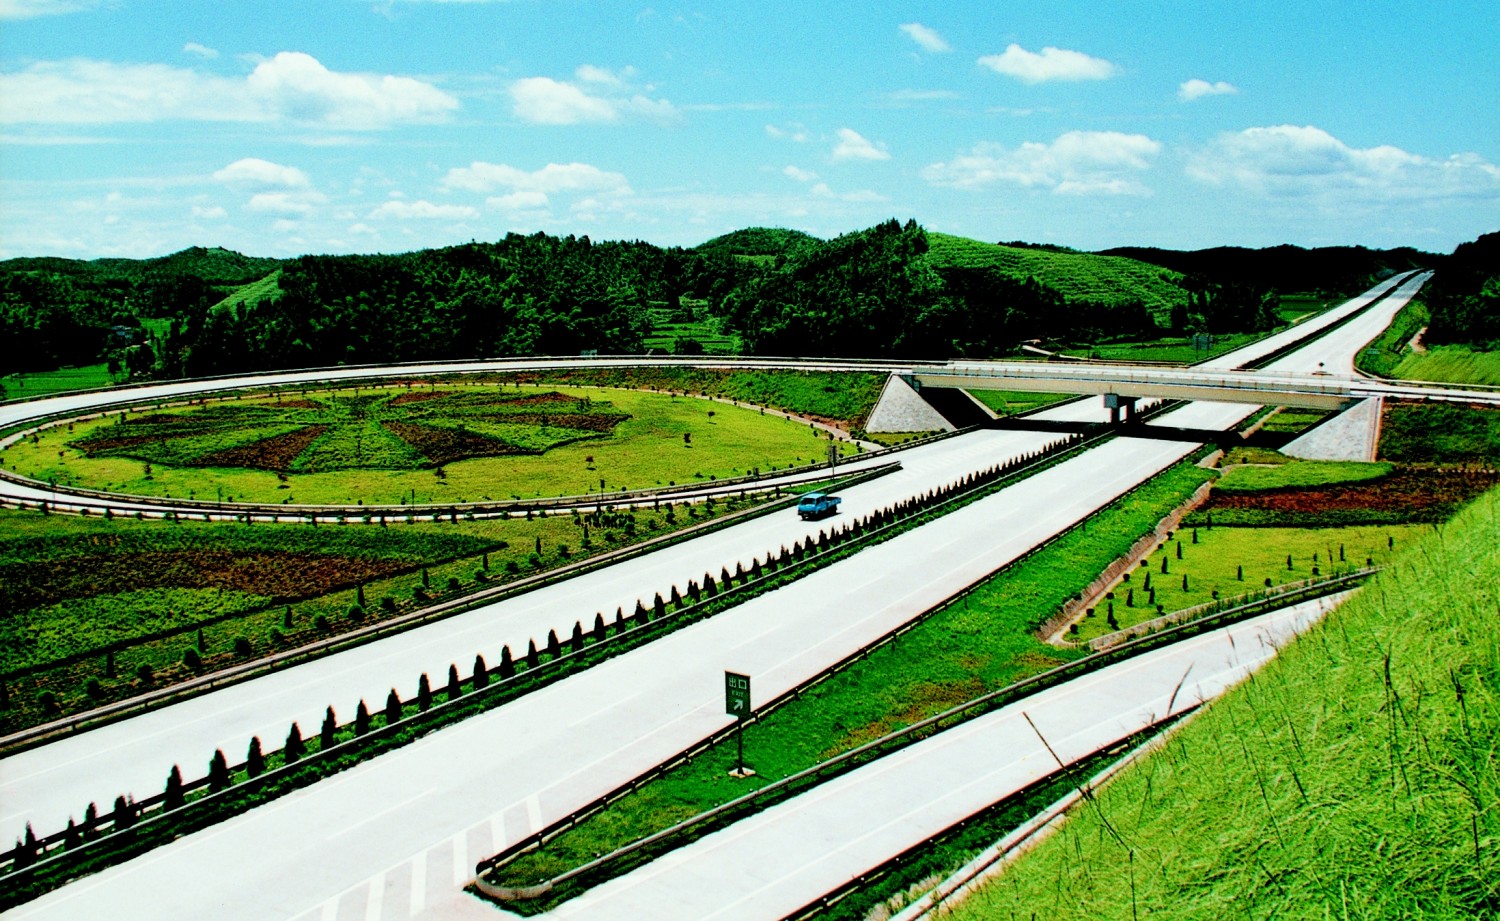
(460, 858)
(376, 902)
(419, 882)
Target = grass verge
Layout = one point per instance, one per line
(1356, 776)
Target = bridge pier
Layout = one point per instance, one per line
(1114, 403)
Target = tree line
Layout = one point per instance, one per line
(871, 293)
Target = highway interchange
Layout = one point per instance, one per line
(399, 835)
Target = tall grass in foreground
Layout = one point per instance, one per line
(1356, 776)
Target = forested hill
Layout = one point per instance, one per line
(891, 290)
(1329, 270)
(1465, 296)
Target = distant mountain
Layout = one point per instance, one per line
(213, 265)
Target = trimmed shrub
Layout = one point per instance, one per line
(174, 796)
(362, 719)
(328, 734)
(242, 647)
(255, 760)
(481, 673)
(424, 694)
(294, 748)
(507, 663)
(218, 772)
(454, 688)
(392, 707)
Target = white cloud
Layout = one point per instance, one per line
(297, 203)
(927, 39)
(522, 200)
(794, 132)
(799, 174)
(289, 87)
(554, 177)
(854, 146)
(1292, 161)
(1076, 163)
(1196, 89)
(202, 51)
(255, 171)
(920, 95)
(545, 101)
(534, 190)
(209, 212)
(300, 88)
(30, 9)
(1050, 64)
(423, 210)
(588, 73)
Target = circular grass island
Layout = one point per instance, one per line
(414, 442)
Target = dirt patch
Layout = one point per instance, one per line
(274, 453)
(443, 446)
(93, 446)
(277, 575)
(419, 396)
(1410, 491)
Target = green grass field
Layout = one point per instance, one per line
(665, 440)
(1230, 562)
(980, 644)
(1080, 276)
(1440, 434)
(1356, 776)
(1298, 473)
(40, 383)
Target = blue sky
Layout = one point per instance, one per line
(137, 128)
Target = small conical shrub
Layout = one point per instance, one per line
(173, 796)
(255, 760)
(328, 733)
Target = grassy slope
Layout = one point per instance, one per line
(1357, 776)
(252, 293)
(1454, 363)
(1082, 276)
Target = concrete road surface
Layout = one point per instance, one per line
(774, 863)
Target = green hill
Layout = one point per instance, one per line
(757, 243)
(1356, 776)
(1076, 276)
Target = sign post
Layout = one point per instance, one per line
(737, 705)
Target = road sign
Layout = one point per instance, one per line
(737, 695)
